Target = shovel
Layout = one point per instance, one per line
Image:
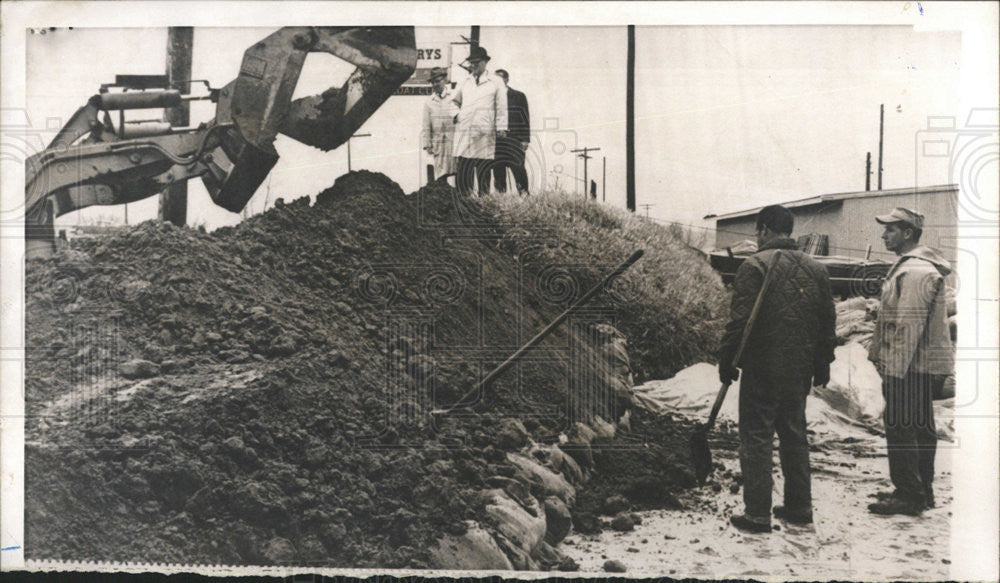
(538, 337)
(701, 455)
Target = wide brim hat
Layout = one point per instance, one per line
(478, 53)
(438, 73)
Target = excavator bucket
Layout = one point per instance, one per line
(385, 56)
(258, 103)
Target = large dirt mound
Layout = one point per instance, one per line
(260, 394)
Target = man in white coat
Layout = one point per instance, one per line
(482, 99)
(439, 124)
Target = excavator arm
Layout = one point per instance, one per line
(90, 163)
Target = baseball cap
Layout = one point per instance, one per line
(902, 215)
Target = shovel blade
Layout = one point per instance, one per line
(701, 455)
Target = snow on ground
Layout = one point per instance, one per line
(846, 542)
(848, 466)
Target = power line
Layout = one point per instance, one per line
(585, 157)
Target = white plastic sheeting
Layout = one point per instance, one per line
(849, 407)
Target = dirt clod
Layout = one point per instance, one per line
(622, 523)
(139, 369)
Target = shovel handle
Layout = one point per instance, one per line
(716, 406)
(545, 332)
(768, 276)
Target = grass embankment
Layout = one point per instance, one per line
(670, 304)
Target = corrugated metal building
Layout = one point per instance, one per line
(848, 219)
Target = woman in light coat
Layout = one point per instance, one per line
(439, 124)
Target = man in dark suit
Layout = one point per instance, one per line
(510, 149)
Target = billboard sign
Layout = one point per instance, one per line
(429, 55)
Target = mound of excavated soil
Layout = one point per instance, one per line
(260, 394)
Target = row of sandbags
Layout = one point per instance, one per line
(527, 514)
(856, 318)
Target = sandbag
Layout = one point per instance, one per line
(474, 550)
(856, 320)
(522, 528)
(552, 484)
(602, 374)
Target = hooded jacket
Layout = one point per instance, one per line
(911, 334)
(794, 334)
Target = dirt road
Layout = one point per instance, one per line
(845, 542)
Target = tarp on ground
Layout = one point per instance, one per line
(849, 407)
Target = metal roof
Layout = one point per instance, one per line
(825, 198)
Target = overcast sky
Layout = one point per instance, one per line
(728, 117)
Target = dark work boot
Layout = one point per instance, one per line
(796, 517)
(884, 495)
(895, 505)
(743, 522)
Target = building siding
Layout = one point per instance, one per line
(850, 223)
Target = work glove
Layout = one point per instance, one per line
(728, 373)
(821, 376)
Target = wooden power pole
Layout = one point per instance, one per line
(630, 122)
(586, 183)
(173, 200)
(881, 126)
(868, 172)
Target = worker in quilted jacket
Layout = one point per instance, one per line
(913, 351)
(789, 350)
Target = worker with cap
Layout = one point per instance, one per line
(913, 352)
(482, 117)
(511, 149)
(788, 350)
(439, 124)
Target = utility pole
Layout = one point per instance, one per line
(630, 122)
(881, 127)
(349, 148)
(474, 37)
(868, 172)
(586, 183)
(173, 200)
(604, 178)
(646, 206)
